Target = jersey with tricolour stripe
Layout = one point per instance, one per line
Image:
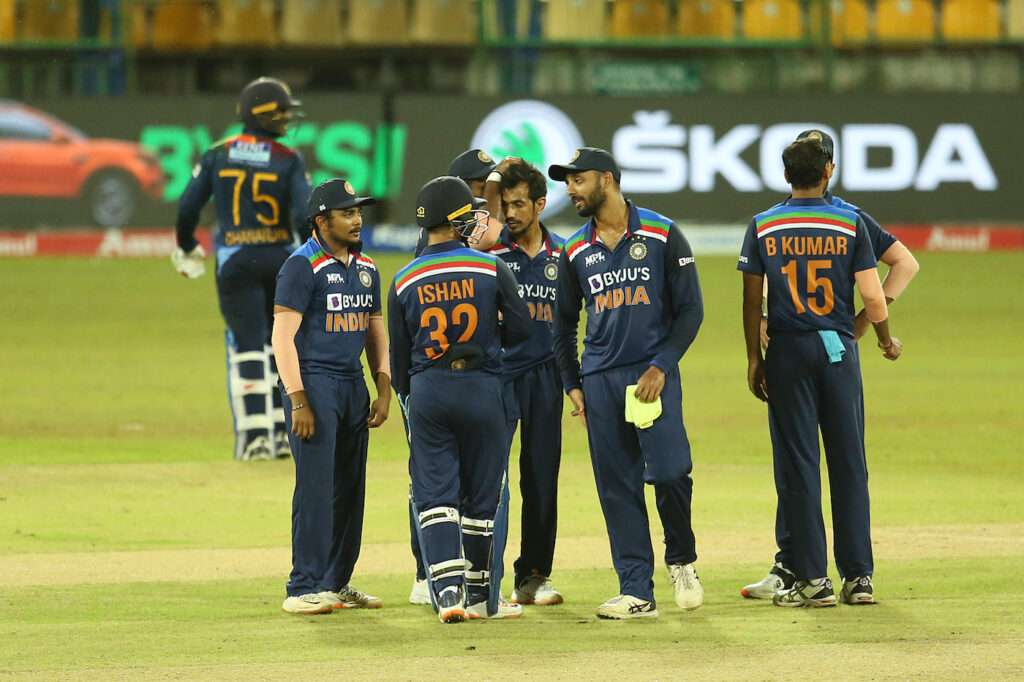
(447, 298)
(336, 300)
(809, 250)
(536, 279)
(630, 294)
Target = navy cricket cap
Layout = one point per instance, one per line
(472, 164)
(444, 199)
(823, 137)
(586, 158)
(264, 96)
(334, 193)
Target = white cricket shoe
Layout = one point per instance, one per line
(778, 579)
(420, 593)
(689, 592)
(813, 593)
(349, 597)
(478, 611)
(451, 606)
(537, 590)
(282, 448)
(307, 604)
(625, 606)
(257, 449)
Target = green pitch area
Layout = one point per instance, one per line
(131, 545)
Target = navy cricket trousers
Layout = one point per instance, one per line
(330, 484)
(624, 459)
(537, 406)
(458, 456)
(807, 391)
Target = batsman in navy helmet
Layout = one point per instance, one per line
(259, 187)
(446, 359)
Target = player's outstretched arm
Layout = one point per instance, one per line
(286, 324)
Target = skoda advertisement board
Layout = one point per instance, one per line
(717, 159)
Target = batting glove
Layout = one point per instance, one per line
(189, 264)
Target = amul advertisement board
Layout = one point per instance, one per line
(700, 159)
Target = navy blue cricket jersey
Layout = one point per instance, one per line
(809, 250)
(259, 187)
(881, 240)
(643, 298)
(444, 305)
(536, 277)
(336, 300)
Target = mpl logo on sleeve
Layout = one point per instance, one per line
(249, 153)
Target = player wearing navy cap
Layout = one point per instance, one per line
(812, 253)
(327, 310)
(481, 174)
(446, 356)
(259, 188)
(902, 268)
(634, 272)
(533, 388)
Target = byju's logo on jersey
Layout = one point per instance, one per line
(535, 131)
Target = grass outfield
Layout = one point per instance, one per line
(131, 545)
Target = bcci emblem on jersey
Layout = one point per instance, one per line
(365, 279)
(551, 271)
(638, 251)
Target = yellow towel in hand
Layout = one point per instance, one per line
(640, 413)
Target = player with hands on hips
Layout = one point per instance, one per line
(812, 253)
(259, 187)
(633, 271)
(327, 311)
(446, 356)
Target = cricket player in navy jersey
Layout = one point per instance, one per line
(633, 271)
(533, 387)
(446, 356)
(902, 268)
(481, 173)
(327, 310)
(260, 190)
(812, 253)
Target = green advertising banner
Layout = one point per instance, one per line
(698, 159)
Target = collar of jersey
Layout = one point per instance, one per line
(450, 245)
(506, 238)
(323, 247)
(820, 201)
(632, 224)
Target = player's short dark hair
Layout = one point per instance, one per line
(536, 183)
(805, 161)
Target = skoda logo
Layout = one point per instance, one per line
(536, 132)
